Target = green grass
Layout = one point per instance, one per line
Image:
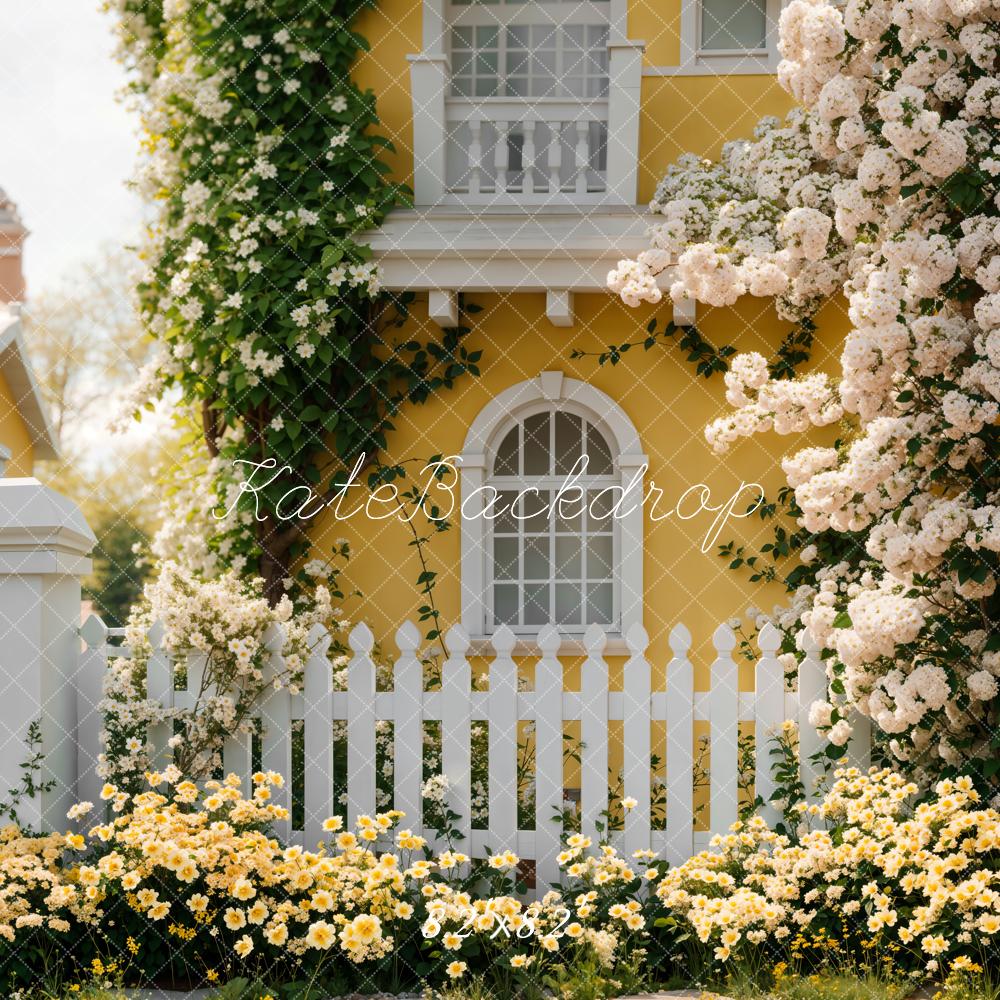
(839, 987)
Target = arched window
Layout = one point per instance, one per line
(544, 466)
(552, 556)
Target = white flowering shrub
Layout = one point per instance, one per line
(225, 628)
(230, 630)
(882, 185)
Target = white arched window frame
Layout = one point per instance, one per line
(550, 392)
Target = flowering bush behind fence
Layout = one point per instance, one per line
(883, 186)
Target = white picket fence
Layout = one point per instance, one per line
(457, 703)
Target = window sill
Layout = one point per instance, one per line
(720, 64)
(527, 645)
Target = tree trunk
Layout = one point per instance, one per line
(275, 542)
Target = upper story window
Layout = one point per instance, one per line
(727, 37)
(527, 104)
(542, 49)
(553, 557)
(515, 101)
(733, 26)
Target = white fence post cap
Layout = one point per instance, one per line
(41, 531)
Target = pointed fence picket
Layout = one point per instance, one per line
(680, 748)
(89, 717)
(769, 714)
(504, 704)
(318, 745)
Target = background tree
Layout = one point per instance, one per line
(87, 346)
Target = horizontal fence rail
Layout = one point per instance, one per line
(501, 701)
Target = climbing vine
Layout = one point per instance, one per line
(263, 159)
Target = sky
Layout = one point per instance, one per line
(67, 146)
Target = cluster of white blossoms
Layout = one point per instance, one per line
(225, 631)
(882, 186)
(758, 222)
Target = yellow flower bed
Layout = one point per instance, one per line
(924, 881)
(34, 890)
(917, 887)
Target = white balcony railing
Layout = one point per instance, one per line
(526, 153)
(532, 153)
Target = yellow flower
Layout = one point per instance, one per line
(276, 935)
(198, 903)
(452, 941)
(332, 824)
(320, 935)
(934, 944)
(187, 872)
(243, 890)
(244, 946)
(322, 900)
(366, 928)
(456, 970)
(147, 898)
(234, 918)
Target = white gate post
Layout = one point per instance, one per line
(45, 544)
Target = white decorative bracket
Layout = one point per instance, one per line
(685, 312)
(442, 308)
(559, 308)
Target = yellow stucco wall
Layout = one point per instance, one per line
(668, 404)
(14, 435)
